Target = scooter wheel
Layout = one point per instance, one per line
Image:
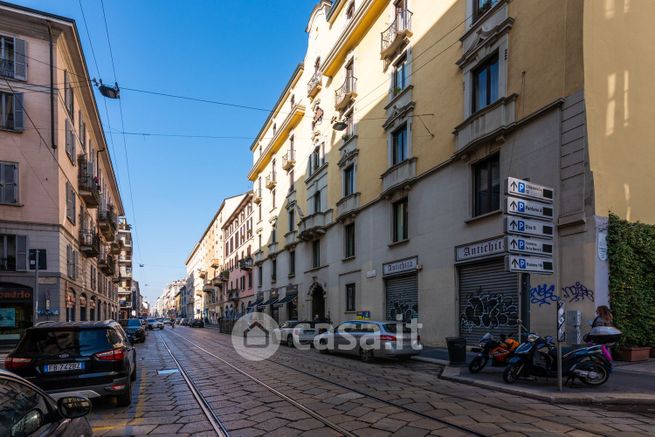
(477, 364)
(511, 373)
(599, 373)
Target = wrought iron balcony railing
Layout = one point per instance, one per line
(346, 93)
(89, 242)
(87, 183)
(315, 83)
(394, 34)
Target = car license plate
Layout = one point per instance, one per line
(63, 367)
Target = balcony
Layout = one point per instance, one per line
(346, 94)
(107, 222)
(289, 160)
(246, 263)
(259, 256)
(395, 36)
(125, 258)
(271, 181)
(215, 263)
(257, 196)
(125, 303)
(233, 294)
(106, 263)
(202, 274)
(399, 175)
(487, 123)
(208, 286)
(314, 225)
(116, 246)
(291, 238)
(87, 185)
(89, 243)
(315, 84)
(348, 205)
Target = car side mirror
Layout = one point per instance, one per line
(72, 407)
(28, 424)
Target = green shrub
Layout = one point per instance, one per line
(631, 248)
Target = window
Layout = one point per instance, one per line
(349, 180)
(260, 275)
(70, 203)
(70, 141)
(316, 200)
(350, 125)
(316, 253)
(400, 231)
(349, 240)
(250, 279)
(292, 219)
(259, 212)
(13, 252)
(273, 234)
(273, 270)
(8, 183)
(273, 197)
(12, 58)
(399, 145)
(315, 160)
(94, 278)
(11, 111)
(487, 185)
(350, 12)
(485, 83)
(400, 75)
(480, 7)
(292, 263)
(18, 403)
(68, 96)
(71, 262)
(350, 297)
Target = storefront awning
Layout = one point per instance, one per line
(255, 303)
(268, 302)
(286, 299)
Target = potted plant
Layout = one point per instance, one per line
(396, 91)
(633, 353)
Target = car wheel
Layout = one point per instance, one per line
(290, 341)
(366, 355)
(125, 399)
(323, 349)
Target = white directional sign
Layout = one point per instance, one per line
(528, 208)
(535, 246)
(521, 226)
(521, 188)
(529, 264)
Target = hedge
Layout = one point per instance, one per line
(631, 251)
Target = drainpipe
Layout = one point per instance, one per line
(53, 137)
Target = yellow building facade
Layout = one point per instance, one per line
(379, 177)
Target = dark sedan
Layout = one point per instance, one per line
(134, 329)
(197, 323)
(27, 410)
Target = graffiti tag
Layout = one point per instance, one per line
(490, 311)
(403, 309)
(578, 292)
(543, 294)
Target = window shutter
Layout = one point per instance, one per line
(68, 260)
(73, 205)
(20, 64)
(8, 183)
(18, 112)
(21, 252)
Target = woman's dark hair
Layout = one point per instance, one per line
(605, 313)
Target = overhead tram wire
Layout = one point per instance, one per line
(127, 159)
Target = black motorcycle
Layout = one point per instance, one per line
(538, 357)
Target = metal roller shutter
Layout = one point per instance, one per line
(402, 297)
(488, 300)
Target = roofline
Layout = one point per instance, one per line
(37, 12)
(248, 197)
(317, 7)
(299, 69)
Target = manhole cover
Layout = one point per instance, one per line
(166, 371)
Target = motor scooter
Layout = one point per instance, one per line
(496, 350)
(537, 356)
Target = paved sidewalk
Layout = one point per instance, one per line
(630, 383)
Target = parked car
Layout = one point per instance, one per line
(134, 330)
(26, 410)
(370, 339)
(197, 323)
(293, 331)
(155, 324)
(94, 359)
(167, 321)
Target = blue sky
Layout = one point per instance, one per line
(242, 52)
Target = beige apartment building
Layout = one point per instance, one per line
(205, 286)
(380, 176)
(59, 201)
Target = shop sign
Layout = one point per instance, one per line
(363, 315)
(405, 265)
(480, 249)
(7, 317)
(13, 295)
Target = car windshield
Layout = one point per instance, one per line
(82, 342)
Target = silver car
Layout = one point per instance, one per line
(294, 332)
(371, 339)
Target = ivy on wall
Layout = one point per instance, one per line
(631, 250)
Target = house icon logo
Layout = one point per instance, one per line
(253, 336)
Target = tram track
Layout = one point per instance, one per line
(349, 388)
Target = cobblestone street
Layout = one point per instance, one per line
(303, 393)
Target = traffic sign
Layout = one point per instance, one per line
(522, 226)
(529, 208)
(516, 244)
(529, 264)
(521, 188)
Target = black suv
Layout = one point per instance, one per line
(134, 329)
(94, 359)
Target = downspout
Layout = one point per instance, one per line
(53, 137)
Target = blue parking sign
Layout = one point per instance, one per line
(522, 264)
(521, 244)
(521, 206)
(521, 187)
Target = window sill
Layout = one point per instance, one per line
(291, 275)
(315, 269)
(319, 170)
(483, 216)
(348, 258)
(398, 243)
(350, 312)
(16, 131)
(345, 142)
(11, 204)
(396, 96)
